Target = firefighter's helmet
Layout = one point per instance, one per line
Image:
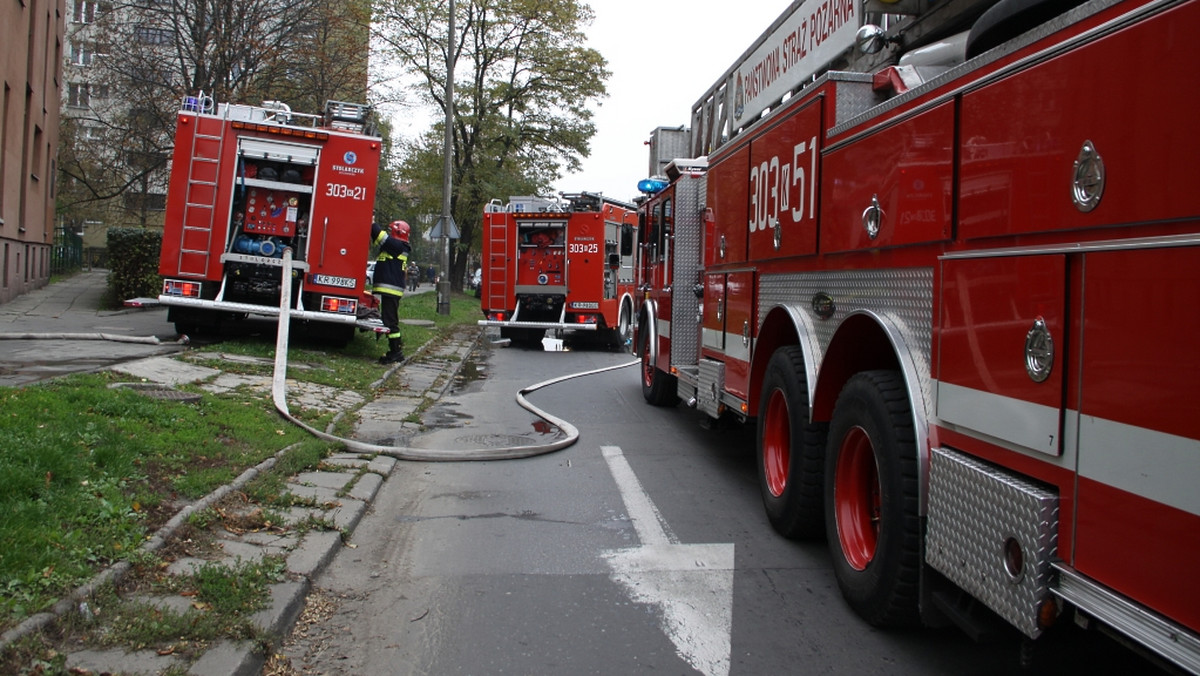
(399, 230)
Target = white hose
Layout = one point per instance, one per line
(113, 337)
(279, 395)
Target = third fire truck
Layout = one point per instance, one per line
(248, 182)
(560, 264)
(950, 268)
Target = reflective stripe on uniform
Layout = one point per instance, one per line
(388, 289)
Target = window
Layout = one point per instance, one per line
(153, 36)
(86, 11)
(78, 95)
(151, 74)
(35, 164)
(82, 53)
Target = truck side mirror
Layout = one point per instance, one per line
(614, 261)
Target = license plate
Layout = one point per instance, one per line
(330, 280)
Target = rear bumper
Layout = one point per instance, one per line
(559, 326)
(270, 311)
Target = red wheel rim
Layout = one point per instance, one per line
(856, 498)
(777, 444)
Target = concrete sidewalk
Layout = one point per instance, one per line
(61, 328)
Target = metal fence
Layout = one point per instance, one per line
(67, 253)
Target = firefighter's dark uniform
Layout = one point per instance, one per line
(389, 286)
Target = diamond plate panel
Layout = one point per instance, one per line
(685, 307)
(712, 384)
(974, 508)
(854, 94)
(904, 296)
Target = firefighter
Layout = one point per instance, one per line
(390, 268)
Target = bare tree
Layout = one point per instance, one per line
(524, 84)
(149, 54)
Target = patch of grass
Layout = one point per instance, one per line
(238, 589)
(138, 624)
(89, 471)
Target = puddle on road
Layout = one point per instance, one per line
(473, 369)
(443, 415)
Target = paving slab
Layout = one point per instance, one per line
(332, 480)
(314, 553)
(166, 370)
(229, 658)
(120, 661)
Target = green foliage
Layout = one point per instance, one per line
(139, 624)
(133, 271)
(238, 589)
(524, 86)
(77, 457)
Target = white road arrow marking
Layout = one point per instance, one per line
(692, 585)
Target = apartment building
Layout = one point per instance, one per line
(31, 56)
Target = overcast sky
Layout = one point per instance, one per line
(663, 55)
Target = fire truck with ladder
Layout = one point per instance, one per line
(946, 258)
(562, 264)
(246, 183)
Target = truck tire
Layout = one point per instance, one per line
(658, 388)
(191, 322)
(871, 499)
(624, 327)
(791, 449)
(333, 335)
(529, 338)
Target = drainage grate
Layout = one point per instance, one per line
(497, 440)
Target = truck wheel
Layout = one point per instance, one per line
(333, 335)
(790, 449)
(624, 327)
(871, 499)
(188, 321)
(522, 336)
(658, 388)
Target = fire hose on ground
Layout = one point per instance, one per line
(279, 396)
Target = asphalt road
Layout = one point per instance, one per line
(641, 548)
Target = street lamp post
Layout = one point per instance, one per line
(443, 289)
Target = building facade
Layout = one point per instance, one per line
(31, 55)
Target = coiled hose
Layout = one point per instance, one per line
(279, 396)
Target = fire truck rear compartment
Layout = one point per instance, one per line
(252, 283)
(541, 307)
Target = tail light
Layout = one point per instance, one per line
(181, 288)
(346, 306)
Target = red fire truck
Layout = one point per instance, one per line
(950, 268)
(562, 264)
(246, 183)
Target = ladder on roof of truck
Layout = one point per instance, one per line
(200, 197)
